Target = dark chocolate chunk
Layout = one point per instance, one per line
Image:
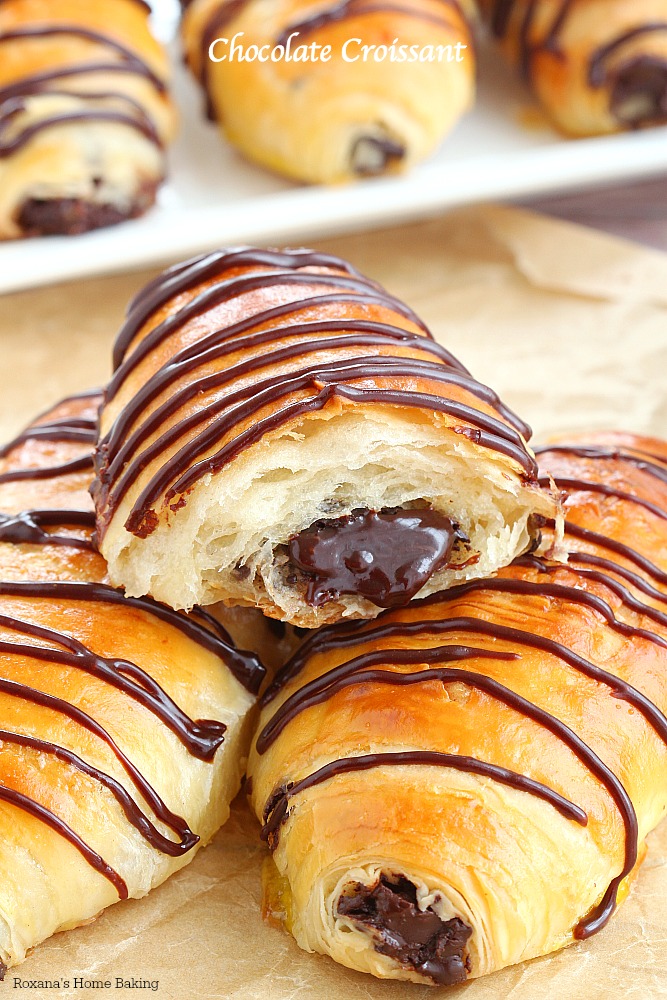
(386, 557)
(639, 94)
(373, 155)
(72, 216)
(416, 938)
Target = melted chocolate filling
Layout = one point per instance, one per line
(370, 667)
(416, 938)
(372, 155)
(384, 556)
(72, 216)
(639, 95)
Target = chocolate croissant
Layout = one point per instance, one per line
(597, 66)
(282, 433)
(84, 115)
(123, 724)
(334, 91)
(468, 782)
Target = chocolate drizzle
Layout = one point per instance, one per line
(278, 805)
(643, 76)
(236, 419)
(529, 46)
(185, 277)
(222, 343)
(245, 666)
(118, 451)
(27, 639)
(352, 633)
(651, 464)
(187, 839)
(181, 472)
(28, 32)
(38, 83)
(576, 596)
(83, 106)
(134, 814)
(29, 526)
(587, 486)
(50, 819)
(414, 629)
(77, 430)
(10, 109)
(81, 431)
(127, 60)
(49, 471)
(530, 577)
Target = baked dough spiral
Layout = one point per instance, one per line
(468, 782)
(123, 724)
(84, 115)
(347, 117)
(282, 433)
(597, 66)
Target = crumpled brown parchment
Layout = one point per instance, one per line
(571, 328)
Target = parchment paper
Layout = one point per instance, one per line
(571, 327)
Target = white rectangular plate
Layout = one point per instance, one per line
(215, 198)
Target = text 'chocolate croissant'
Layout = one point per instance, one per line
(123, 724)
(597, 66)
(84, 115)
(361, 88)
(280, 432)
(468, 782)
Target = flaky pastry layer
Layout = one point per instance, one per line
(467, 783)
(264, 401)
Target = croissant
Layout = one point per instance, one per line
(84, 115)
(468, 782)
(123, 724)
(329, 92)
(597, 66)
(282, 433)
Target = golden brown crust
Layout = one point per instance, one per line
(84, 114)
(258, 393)
(597, 66)
(350, 116)
(554, 673)
(123, 725)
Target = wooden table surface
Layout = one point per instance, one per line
(634, 211)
